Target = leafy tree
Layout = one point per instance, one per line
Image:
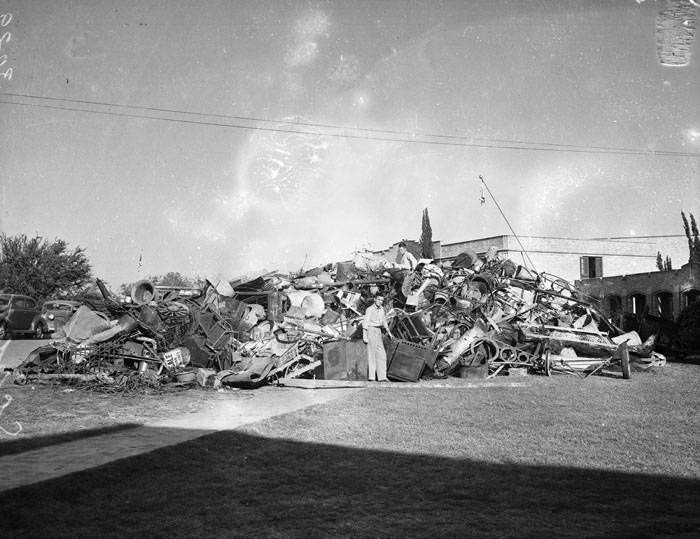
(686, 229)
(172, 278)
(426, 237)
(41, 269)
(663, 264)
(696, 237)
(691, 232)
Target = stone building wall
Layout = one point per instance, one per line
(660, 293)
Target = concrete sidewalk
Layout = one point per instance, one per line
(64, 458)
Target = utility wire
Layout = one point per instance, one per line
(334, 126)
(635, 151)
(359, 137)
(508, 223)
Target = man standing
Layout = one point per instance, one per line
(374, 321)
(404, 259)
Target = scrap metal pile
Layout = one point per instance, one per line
(469, 317)
(485, 318)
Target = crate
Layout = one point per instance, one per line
(408, 360)
(345, 360)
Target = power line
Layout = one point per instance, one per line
(334, 126)
(607, 149)
(413, 139)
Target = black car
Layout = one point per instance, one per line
(20, 315)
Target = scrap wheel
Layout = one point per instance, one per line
(39, 331)
(547, 363)
(485, 351)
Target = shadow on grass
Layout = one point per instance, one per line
(234, 484)
(20, 445)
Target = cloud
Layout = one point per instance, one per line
(311, 26)
(302, 54)
(305, 35)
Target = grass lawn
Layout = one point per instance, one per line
(556, 457)
(51, 414)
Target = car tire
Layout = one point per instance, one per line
(39, 332)
(4, 334)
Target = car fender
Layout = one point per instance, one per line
(38, 319)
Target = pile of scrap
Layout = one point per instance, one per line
(241, 333)
(470, 317)
(486, 317)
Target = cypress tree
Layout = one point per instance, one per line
(696, 238)
(426, 236)
(686, 229)
(691, 232)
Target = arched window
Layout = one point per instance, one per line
(691, 296)
(637, 303)
(663, 305)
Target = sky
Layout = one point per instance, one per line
(221, 138)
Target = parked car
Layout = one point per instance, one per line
(20, 315)
(56, 312)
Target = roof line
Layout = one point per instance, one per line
(639, 237)
(631, 238)
(572, 253)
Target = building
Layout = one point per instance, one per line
(659, 293)
(569, 258)
(620, 272)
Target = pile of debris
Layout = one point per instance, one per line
(469, 317)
